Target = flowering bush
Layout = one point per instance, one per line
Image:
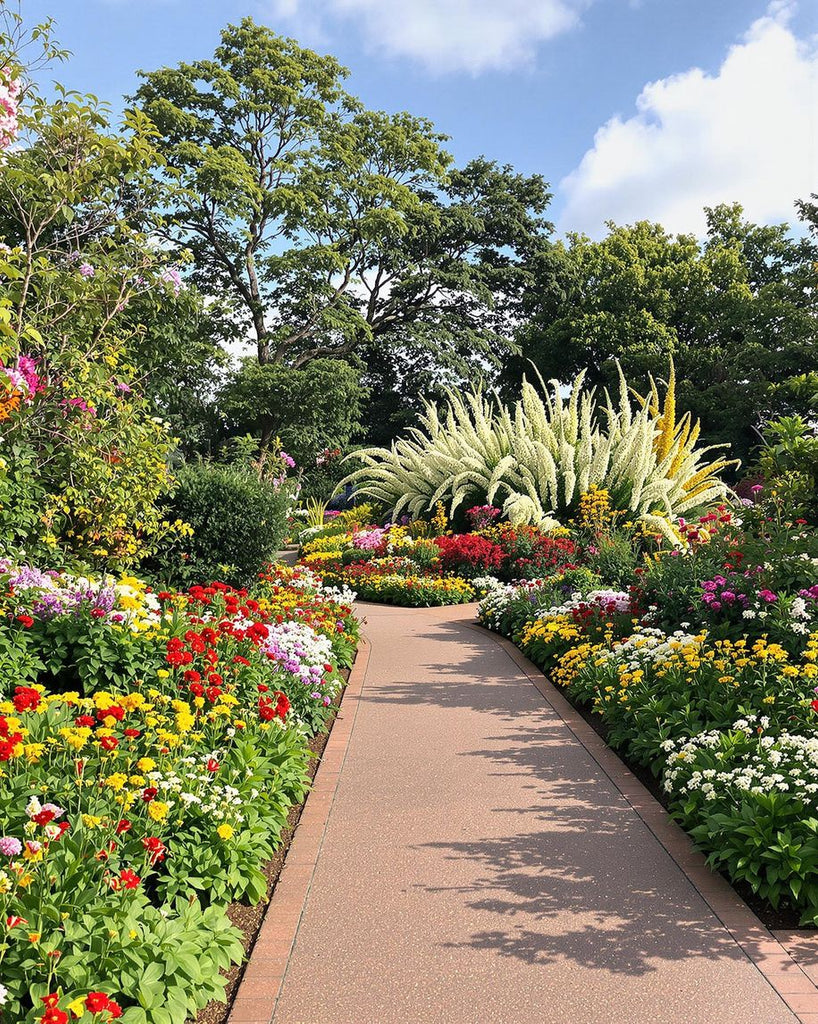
(469, 553)
(9, 98)
(133, 812)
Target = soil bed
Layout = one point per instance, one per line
(248, 918)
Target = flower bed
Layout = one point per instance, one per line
(703, 670)
(419, 565)
(151, 745)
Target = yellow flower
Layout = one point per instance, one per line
(33, 752)
(225, 832)
(91, 821)
(146, 764)
(116, 781)
(157, 810)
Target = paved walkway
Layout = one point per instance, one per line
(479, 867)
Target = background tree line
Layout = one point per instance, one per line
(269, 258)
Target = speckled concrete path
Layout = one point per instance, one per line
(479, 867)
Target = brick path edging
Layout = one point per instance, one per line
(257, 994)
(793, 971)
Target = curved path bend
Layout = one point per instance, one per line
(485, 863)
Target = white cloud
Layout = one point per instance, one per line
(749, 133)
(448, 35)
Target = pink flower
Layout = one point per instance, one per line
(10, 846)
(87, 270)
(768, 596)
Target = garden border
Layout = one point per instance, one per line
(793, 971)
(258, 991)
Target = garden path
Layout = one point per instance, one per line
(480, 867)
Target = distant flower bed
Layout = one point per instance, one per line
(422, 564)
(151, 745)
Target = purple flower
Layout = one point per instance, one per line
(87, 270)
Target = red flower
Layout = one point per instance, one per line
(97, 613)
(109, 742)
(13, 921)
(114, 1009)
(53, 1014)
(132, 734)
(84, 722)
(212, 765)
(239, 660)
(128, 880)
(25, 698)
(96, 1002)
(814, 705)
(155, 847)
(123, 826)
(192, 676)
(25, 621)
(114, 711)
(149, 793)
(43, 817)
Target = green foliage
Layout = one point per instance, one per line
(84, 462)
(310, 409)
(238, 519)
(788, 461)
(737, 312)
(614, 556)
(288, 185)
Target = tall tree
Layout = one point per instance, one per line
(738, 313)
(286, 185)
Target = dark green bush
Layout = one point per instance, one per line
(239, 522)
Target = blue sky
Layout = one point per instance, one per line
(630, 108)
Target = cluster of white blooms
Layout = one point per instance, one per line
(198, 787)
(605, 600)
(299, 650)
(308, 533)
(487, 583)
(497, 600)
(784, 763)
(647, 645)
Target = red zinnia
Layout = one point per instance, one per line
(128, 880)
(25, 698)
(96, 1002)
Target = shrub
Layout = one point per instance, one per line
(538, 457)
(239, 521)
(529, 553)
(469, 553)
